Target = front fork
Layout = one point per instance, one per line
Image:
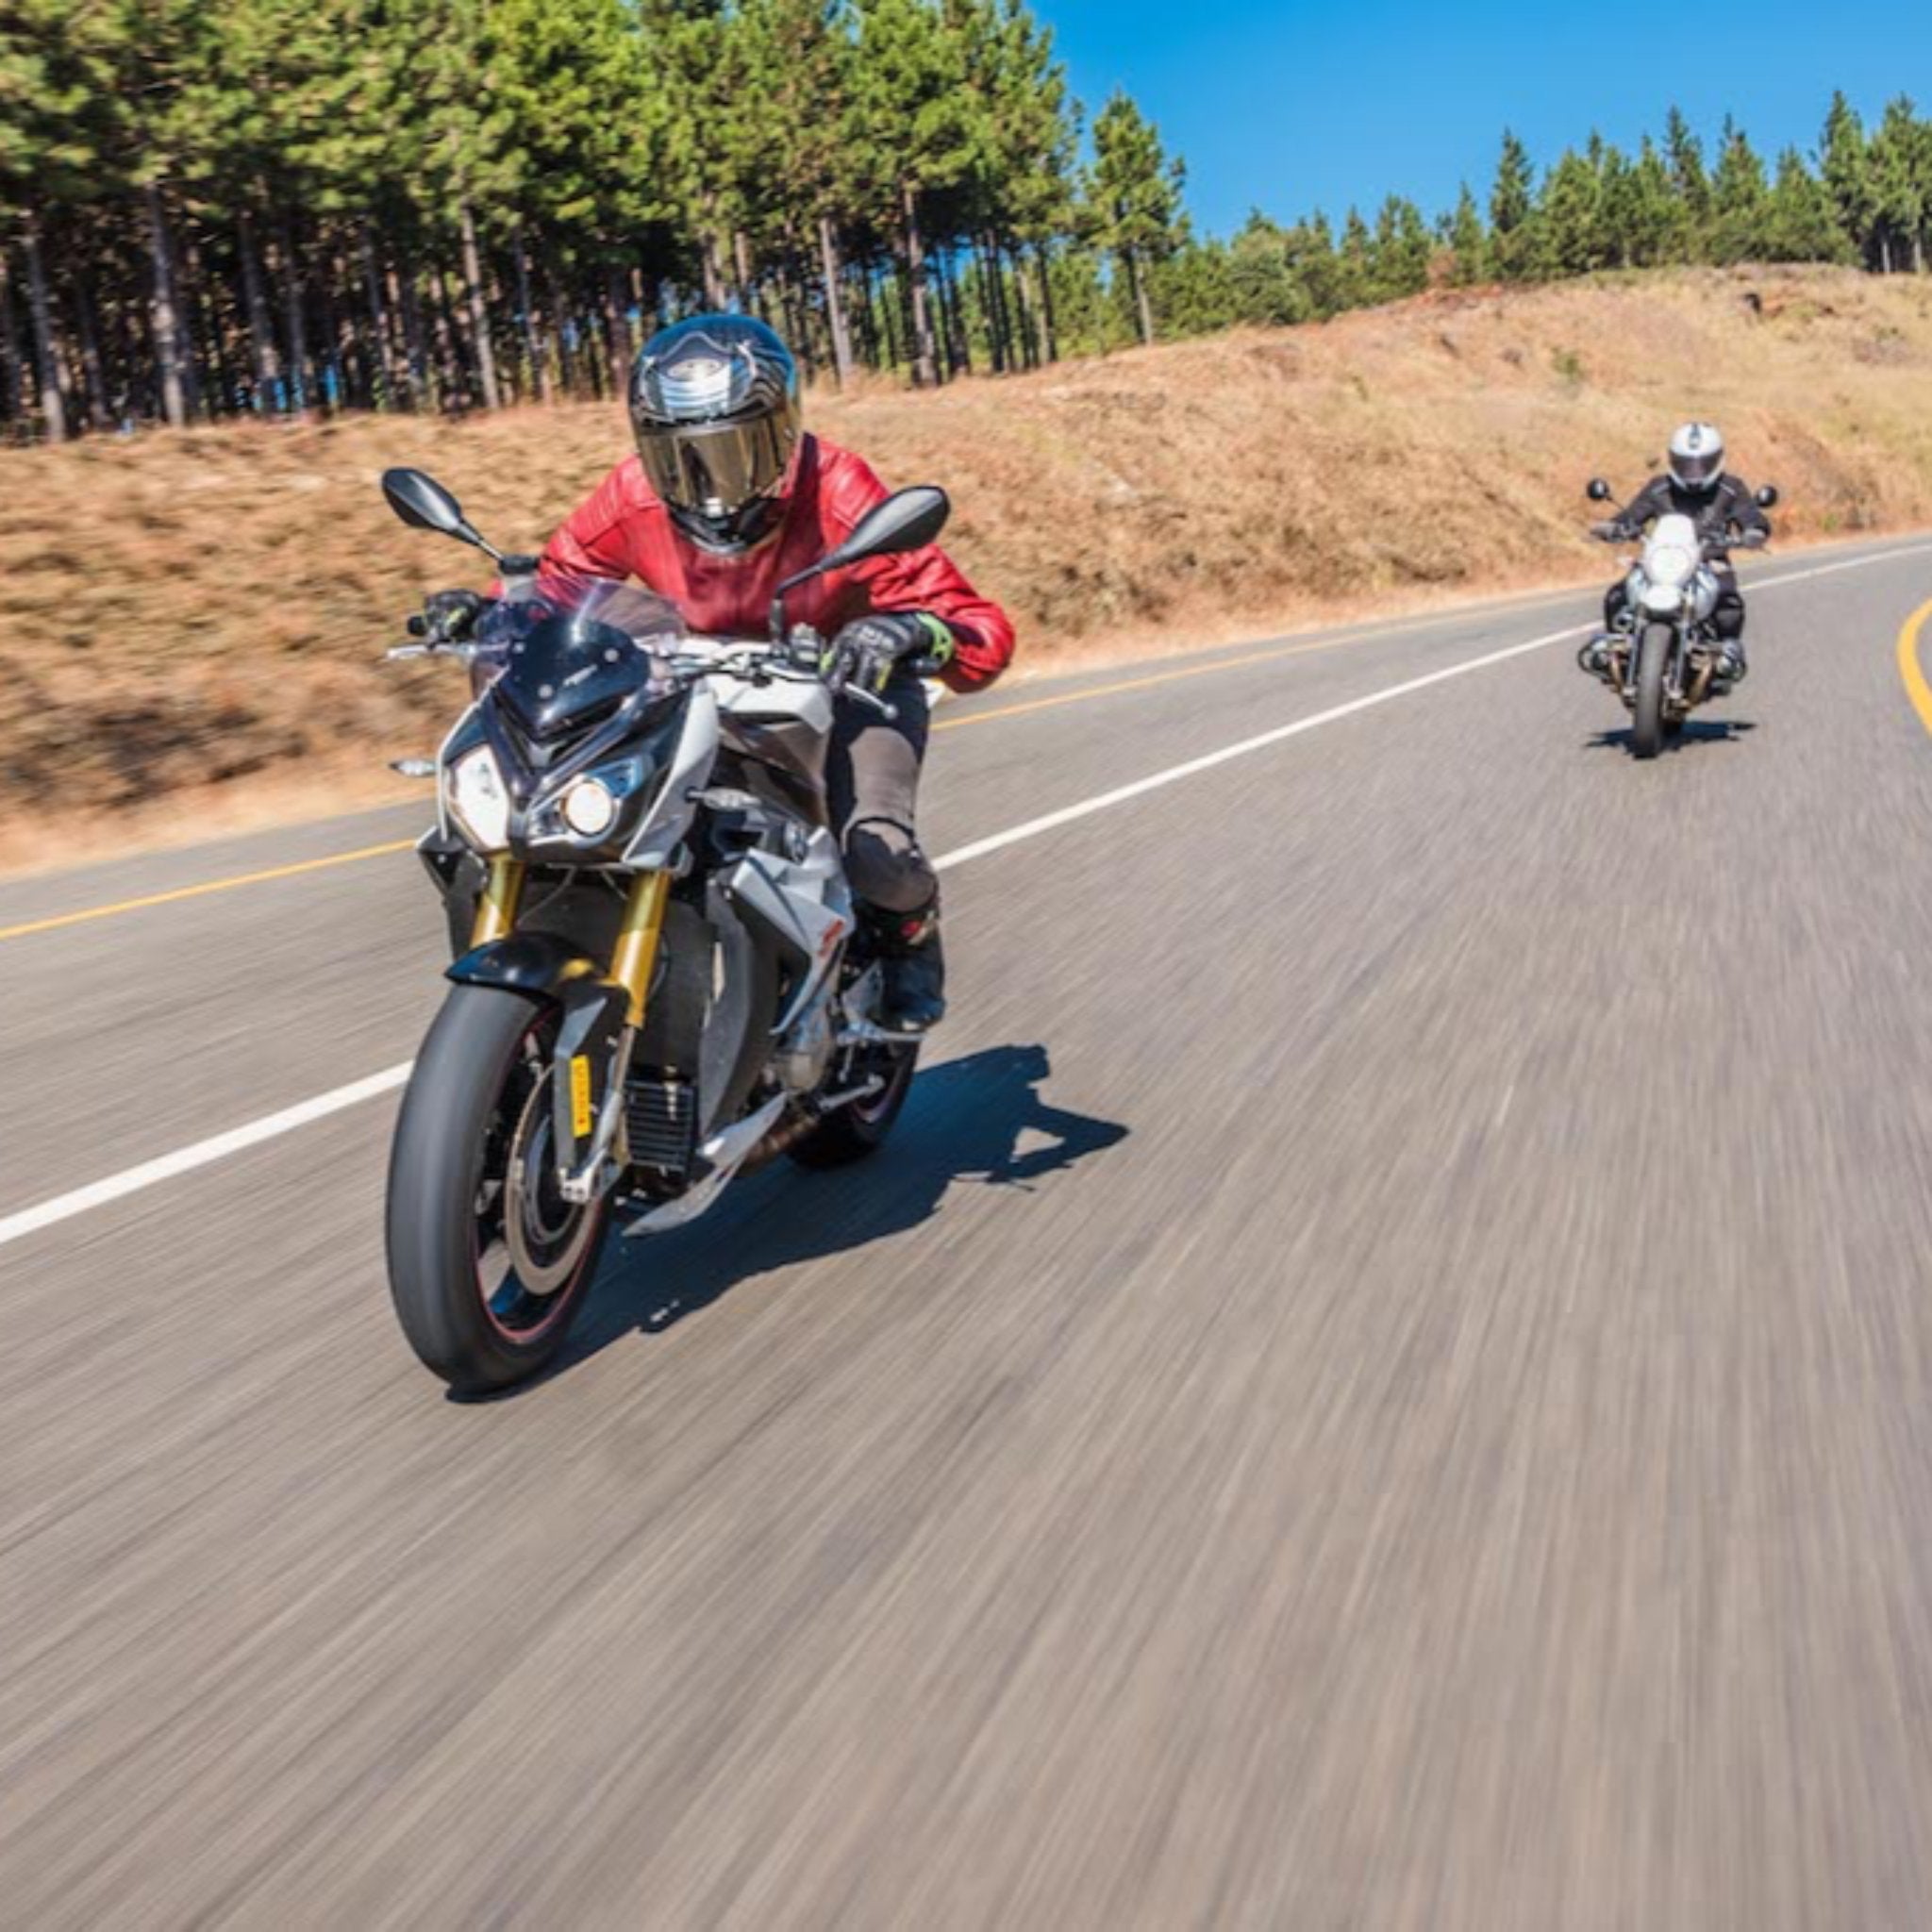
(594, 1032)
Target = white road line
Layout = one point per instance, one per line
(185, 1159)
(202, 1152)
(1175, 773)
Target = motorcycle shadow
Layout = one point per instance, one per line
(1694, 731)
(964, 1121)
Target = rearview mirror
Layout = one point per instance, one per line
(1767, 497)
(1599, 491)
(907, 519)
(423, 504)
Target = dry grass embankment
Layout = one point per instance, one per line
(189, 624)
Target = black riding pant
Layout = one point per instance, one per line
(1727, 620)
(872, 782)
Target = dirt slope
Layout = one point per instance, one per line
(189, 622)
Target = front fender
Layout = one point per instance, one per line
(591, 1049)
(532, 962)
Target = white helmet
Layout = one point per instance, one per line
(1697, 458)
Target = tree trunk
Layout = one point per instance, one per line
(53, 403)
(384, 371)
(835, 302)
(560, 321)
(198, 332)
(953, 322)
(999, 334)
(453, 386)
(616, 331)
(93, 369)
(479, 309)
(403, 300)
(869, 345)
(294, 322)
(989, 306)
(533, 338)
(713, 272)
(740, 260)
(163, 319)
(263, 359)
(1049, 333)
(12, 395)
(925, 373)
(1027, 329)
(1143, 308)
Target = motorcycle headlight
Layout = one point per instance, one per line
(591, 807)
(1670, 565)
(478, 800)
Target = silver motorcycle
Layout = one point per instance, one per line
(1662, 656)
(661, 983)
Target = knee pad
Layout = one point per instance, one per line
(885, 868)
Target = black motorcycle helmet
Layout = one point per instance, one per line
(714, 406)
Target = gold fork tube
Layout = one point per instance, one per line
(496, 907)
(636, 957)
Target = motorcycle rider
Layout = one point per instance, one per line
(1697, 486)
(727, 496)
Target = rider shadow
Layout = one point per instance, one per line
(963, 1121)
(1694, 731)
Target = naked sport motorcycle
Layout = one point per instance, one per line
(1662, 652)
(661, 984)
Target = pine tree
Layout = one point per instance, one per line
(1512, 210)
(1567, 219)
(1845, 165)
(1135, 198)
(1901, 155)
(1468, 243)
(1800, 220)
(1740, 201)
(1402, 250)
(1684, 155)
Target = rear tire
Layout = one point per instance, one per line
(1647, 718)
(467, 1113)
(859, 1129)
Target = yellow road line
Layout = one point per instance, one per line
(1019, 711)
(1107, 691)
(1910, 669)
(283, 872)
(246, 879)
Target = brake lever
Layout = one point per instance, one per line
(889, 712)
(462, 652)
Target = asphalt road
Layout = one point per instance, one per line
(1385, 1378)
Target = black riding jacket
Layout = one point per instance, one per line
(1715, 512)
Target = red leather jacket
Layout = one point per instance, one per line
(623, 530)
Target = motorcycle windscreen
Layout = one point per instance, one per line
(576, 649)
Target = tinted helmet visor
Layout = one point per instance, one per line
(1698, 471)
(716, 469)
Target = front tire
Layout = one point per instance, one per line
(1647, 718)
(472, 1149)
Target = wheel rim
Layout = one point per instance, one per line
(527, 1243)
(894, 1067)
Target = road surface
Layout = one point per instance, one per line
(1385, 1380)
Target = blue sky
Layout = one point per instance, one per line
(1290, 105)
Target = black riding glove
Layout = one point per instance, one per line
(449, 617)
(1752, 540)
(1608, 532)
(867, 650)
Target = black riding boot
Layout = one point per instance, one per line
(915, 968)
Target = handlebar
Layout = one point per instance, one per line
(794, 661)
